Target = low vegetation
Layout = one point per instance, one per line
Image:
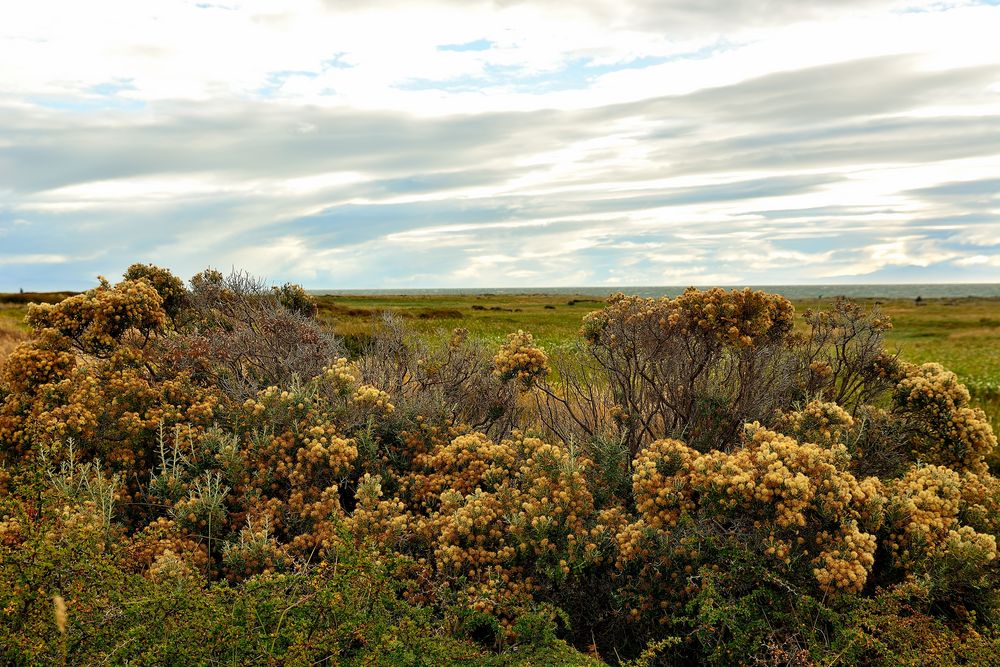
(203, 472)
(10, 337)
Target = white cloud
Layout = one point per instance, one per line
(979, 260)
(33, 259)
(502, 142)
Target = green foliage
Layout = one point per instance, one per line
(295, 299)
(345, 611)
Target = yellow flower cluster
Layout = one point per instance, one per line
(426, 435)
(163, 540)
(931, 388)
(736, 318)
(97, 320)
(341, 376)
(660, 482)
(819, 422)
(953, 434)
(739, 317)
(798, 496)
(372, 399)
(167, 285)
(554, 505)
(520, 359)
(970, 546)
(384, 520)
(79, 523)
(321, 451)
(843, 565)
(469, 534)
(29, 366)
(980, 504)
(926, 506)
(169, 566)
(501, 516)
(464, 464)
(255, 551)
(821, 370)
(278, 405)
(301, 470)
(787, 477)
(110, 400)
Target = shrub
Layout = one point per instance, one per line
(697, 366)
(170, 288)
(694, 483)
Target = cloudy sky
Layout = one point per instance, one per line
(464, 143)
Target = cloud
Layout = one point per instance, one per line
(33, 259)
(501, 143)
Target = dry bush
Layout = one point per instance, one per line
(242, 336)
(695, 367)
(843, 357)
(456, 382)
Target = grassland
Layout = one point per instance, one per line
(12, 330)
(962, 334)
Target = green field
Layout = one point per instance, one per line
(963, 334)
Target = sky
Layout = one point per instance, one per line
(469, 143)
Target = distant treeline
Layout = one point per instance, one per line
(34, 297)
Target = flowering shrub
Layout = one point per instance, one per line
(519, 359)
(792, 503)
(701, 364)
(737, 318)
(30, 366)
(696, 483)
(96, 321)
(505, 519)
(820, 423)
(948, 431)
(167, 285)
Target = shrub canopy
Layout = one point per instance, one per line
(699, 479)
